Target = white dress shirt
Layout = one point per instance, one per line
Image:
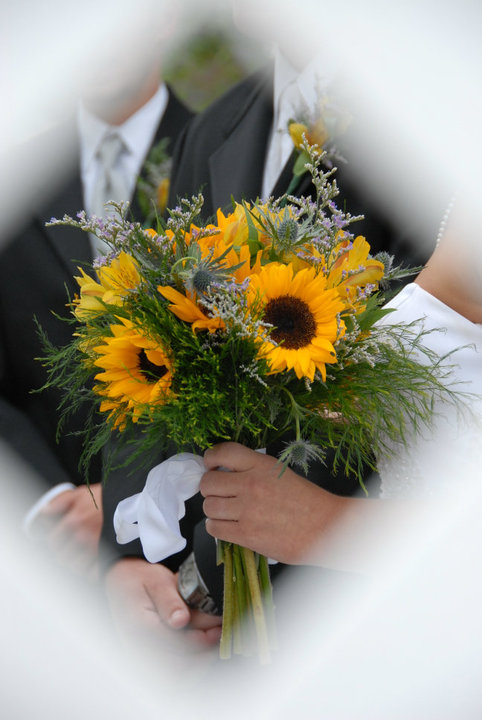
(294, 93)
(137, 133)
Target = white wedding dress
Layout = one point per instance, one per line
(449, 452)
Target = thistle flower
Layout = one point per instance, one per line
(288, 231)
(300, 453)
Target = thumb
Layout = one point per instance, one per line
(169, 604)
(59, 504)
(179, 617)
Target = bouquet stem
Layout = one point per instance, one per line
(257, 605)
(227, 629)
(248, 604)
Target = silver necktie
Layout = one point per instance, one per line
(110, 182)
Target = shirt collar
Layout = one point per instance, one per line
(137, 131)
(310, 82)
(284, 75)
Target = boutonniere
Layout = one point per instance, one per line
(152, 188)
(320, 130)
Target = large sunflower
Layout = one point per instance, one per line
(136, 372)
(304, 315)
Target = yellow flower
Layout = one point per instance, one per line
(162, 194)
(115, 282)
(249, 265)
(136, 372)
(233, 229)
(348, 268)
(304, 314)
(354, 269)
(315, 134)
(91, 293)
(119, 278)
(185, 308)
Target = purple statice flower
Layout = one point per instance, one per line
(339, 222)
(101, 261)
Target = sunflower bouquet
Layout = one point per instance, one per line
(256, 326)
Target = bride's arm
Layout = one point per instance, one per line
(454, 272)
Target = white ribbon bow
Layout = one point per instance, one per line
(153, 515)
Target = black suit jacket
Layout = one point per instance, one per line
(222, 153)
(36, 274)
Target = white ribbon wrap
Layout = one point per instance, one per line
(153, 515)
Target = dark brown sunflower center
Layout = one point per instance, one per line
(150, 370)
(294, 324)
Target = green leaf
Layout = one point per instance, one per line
(253, 235)
(300, 162)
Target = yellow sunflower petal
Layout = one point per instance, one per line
(304, 315)
(136, 372)
(186, 309)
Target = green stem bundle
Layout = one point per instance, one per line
(248, 610)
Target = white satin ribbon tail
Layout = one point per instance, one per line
(153, 515)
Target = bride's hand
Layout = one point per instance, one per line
(253, 503)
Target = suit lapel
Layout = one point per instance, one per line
(172, 122)
(236, 168)
(71, 246)
(175, 117)
(247, 138)
(285, 178)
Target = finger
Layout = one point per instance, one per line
(219, 508)
(231, 456)
(212, 636)
(65, 530)
(204, 630)
(67, 546)
(202, 639)
(143, 599)
(59, 504)
(227, 530)
(169, 605)
(76, 552)
(78, 560)
(83, 564)
(220, 483)
(203, 621)
(57, 534)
